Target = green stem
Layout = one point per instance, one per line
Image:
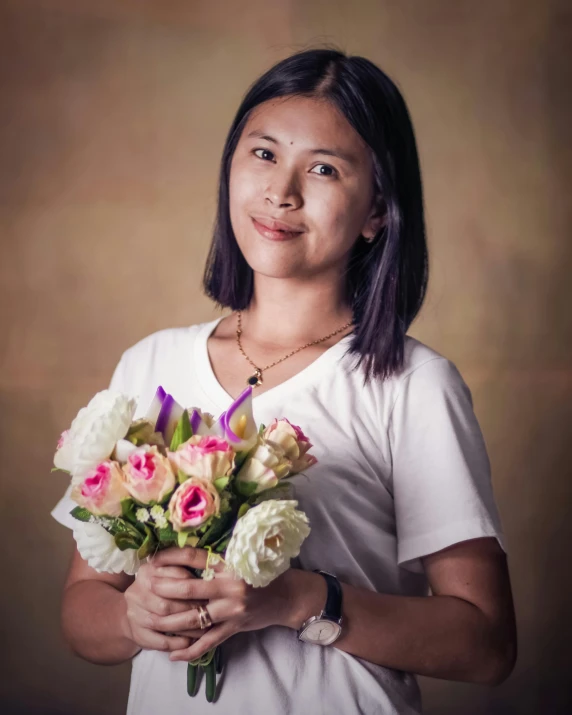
(210, 672)
(192, 673)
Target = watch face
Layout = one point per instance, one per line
(322, 632)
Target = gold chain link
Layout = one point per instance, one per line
(260, 370)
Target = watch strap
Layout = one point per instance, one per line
(333, 607)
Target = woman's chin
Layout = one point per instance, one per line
(270, 267)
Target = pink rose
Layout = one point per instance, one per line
(102, 490)
(282, 433)
(207, 457)
(148, 476)
(195, 501)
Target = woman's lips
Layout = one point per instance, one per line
(275, 235)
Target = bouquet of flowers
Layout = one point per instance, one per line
(178, 476)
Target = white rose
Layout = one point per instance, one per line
(63, 458)
(266, 465)
(265, 539)
(94, 433)
(98, 548)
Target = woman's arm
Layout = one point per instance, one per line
(465, 631)
(94, 614)
(105, 617)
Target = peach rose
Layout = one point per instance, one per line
(148, 476)
(206, 457)
(102, 490)
(282, 433)
(195, 501)
(265, 466)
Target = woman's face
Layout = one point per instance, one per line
(299, 165)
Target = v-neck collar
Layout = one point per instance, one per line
(216, 392)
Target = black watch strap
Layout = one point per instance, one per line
(333, 607)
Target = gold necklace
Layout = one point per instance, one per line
(256, 379)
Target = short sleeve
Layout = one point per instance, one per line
(61, 511)
(441, 472)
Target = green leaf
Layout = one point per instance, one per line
(148, 545)
(181, 476)
(182, 433)
(59, 469)
(167, 535)
(217, 528)
(243, 509)
(261, 429)
(192, 540)
(240, 459)
(143, 432)
(128, 508)
(125, 541)
(120, 526)
(81, 514)
(222, 544)
(182, 538)
(221, 483)
(247, 489)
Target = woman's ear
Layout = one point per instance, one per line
(376, 220)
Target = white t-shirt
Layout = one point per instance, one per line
(402, 472)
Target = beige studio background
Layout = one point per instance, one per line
(113, 115)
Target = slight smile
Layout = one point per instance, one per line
(275, 235)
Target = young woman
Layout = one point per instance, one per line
(319, 252)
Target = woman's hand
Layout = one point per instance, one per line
(233, 605)
(145, 609)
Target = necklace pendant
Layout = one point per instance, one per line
(256, 379)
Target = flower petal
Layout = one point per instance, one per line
(239, 424)
(154, 409)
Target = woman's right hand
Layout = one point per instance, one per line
(144, 608)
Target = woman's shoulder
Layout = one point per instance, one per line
(162, 357)
(416, 354)
(164, 342)
(429, 370)
(423, 367)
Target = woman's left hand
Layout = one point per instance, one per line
(233, 605)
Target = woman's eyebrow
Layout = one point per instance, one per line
(339, 153)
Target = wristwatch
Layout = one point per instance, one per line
(327, 627)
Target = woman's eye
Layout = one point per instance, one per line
(323, 169)
(264, 151)
(329, 170)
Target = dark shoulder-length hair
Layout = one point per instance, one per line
(386, 279)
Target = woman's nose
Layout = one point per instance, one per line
(283, 192)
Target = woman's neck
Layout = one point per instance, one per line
(283, 316)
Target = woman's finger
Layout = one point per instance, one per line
(160, 641)
(162, 606)
(189, 589)
(213, 637)
(187, 556)
(218, 610)
(191, 635)
(173, 572)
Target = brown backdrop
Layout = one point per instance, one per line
(112, 119)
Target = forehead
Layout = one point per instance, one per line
(305, 123)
